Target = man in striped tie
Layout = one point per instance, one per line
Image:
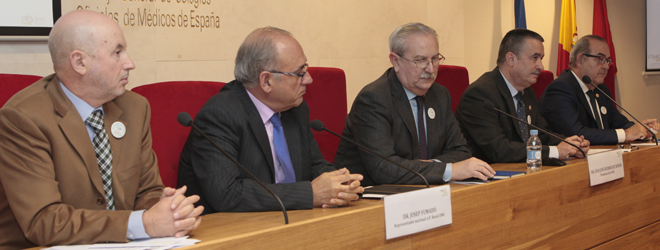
(76, 161)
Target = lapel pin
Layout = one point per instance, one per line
(530, 107)
(529, 119)
(597, 95)
(431, 113)
(603, 110)
(118, 130)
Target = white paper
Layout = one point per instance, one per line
(146, 244)
(605, 166)
(417, 211)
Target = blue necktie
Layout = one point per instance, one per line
(282, 150)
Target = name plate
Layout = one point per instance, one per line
(417, 211)
(605, 167)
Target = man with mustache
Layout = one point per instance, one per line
(76, 161)
(262, 120)
(406, 117)
(573, 107)
(494, 137)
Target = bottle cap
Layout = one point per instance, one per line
(534, 132)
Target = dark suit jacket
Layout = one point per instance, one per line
(51, 192)
(232, 121)
(494, 137)
(567, 111)
(381, 119)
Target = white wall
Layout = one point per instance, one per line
(352, 35)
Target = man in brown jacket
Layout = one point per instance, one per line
(76, 164)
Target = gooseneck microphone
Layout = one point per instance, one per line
(318, 126)
(185, 120)
(490, 106)
(586, 79)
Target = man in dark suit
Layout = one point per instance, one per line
(407, 117)
(76, 161)
(572, 107)
(262, 120)
(494, 137)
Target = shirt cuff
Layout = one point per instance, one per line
(447, 175)
(621, 135)
(553, 152)
(136, 227)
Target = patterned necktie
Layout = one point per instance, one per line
(103, 154)
(521, 115)
(282, 151)
(594, 108)
(421, 131)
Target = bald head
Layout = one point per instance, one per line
(77, 30)
(88, 50)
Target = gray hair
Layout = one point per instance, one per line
(257, 54)
(514, 41)
(582, 46)
(400, 34)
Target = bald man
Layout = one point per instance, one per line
(67, 177)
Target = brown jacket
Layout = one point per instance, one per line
(51, 191)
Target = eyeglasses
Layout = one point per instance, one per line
(601, 59)
(301, 75)
(423, 63)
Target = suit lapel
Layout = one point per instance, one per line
(256, 125)
(402, 105)
(506, 95)
(601, 103)
(435, 123)
(75, 131)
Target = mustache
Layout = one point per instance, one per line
(426, 75)
(536, 72)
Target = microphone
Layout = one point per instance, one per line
(586, 79)
(318, 126)
(489, 105)
(185, 120)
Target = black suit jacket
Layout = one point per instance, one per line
(382, 120)
(567, 111)
(494, 137)
(232, 121)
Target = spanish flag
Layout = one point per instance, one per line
(567, 34)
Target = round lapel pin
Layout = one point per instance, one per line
(118, 130)
(597, 95)
(603, 110)
(530, 107)
(529, 119)
(431, 113)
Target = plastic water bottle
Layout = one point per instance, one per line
(534, 150)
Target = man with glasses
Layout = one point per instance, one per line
(262, 120)
(495, 137)
(406, 117)
(573, 107)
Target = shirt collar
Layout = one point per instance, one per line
(264, 111)
(582, 85)
(513, 90)
(409, 93)
(84, 109)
